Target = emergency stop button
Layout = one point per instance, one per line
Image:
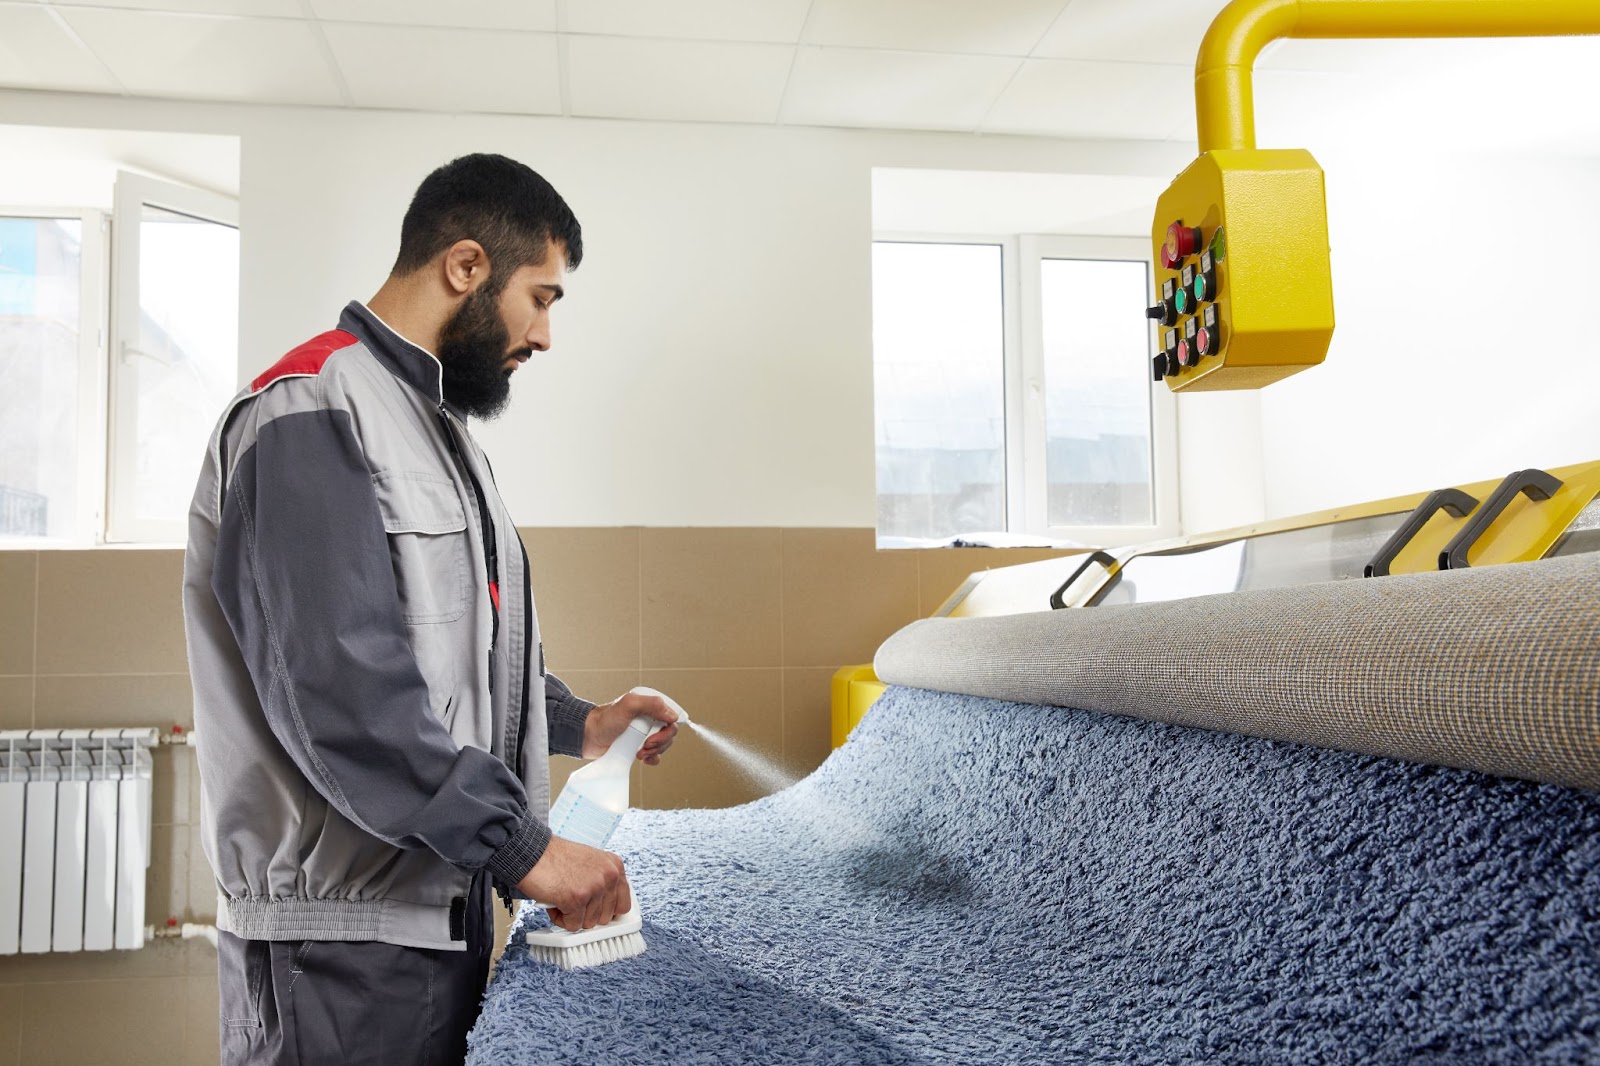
(1182, 242)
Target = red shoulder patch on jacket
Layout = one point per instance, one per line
(306, 359)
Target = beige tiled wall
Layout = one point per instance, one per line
(744, 627)
(95, 638)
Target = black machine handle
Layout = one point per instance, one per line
(1456, 502)
(1535, 484)
(1057, 598)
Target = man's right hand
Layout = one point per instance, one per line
(582, 886)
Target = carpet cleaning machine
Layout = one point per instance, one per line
(1245, 298)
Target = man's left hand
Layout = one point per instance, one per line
(607, 721)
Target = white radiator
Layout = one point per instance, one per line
(74, 838)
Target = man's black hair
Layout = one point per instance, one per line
(498, 202)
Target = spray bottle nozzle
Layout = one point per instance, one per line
(683, 716)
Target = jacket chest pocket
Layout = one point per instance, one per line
(427, 528)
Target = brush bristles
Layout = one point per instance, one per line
(612, 949)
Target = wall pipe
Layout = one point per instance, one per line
(187, 931)
(1223, 88)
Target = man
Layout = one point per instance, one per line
(370, 688)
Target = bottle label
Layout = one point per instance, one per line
(578, 819)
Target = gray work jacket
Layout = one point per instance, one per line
(364, 653)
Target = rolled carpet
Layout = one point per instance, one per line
(1494, 669)
(968, 880)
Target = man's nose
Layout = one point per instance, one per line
(538, 338)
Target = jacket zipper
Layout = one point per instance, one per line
(491, 549)
(522, 720)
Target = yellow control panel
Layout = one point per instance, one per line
(1244, 290)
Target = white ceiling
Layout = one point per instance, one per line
(1057, 68)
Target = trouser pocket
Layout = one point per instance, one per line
(242, 968)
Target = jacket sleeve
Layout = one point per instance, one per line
(303, 575)
(566, 715)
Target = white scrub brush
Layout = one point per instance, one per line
(620, 938)
(588, 810)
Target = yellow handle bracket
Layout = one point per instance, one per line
(1223, 91)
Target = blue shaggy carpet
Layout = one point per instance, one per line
(975, 881)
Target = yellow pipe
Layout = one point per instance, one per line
(1223, 95)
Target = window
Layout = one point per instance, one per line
(50, 314)
(175, 348)
(102, 442)
(1013, 392)
(938, 334)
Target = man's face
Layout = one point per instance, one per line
(496, 330)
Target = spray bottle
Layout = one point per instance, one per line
(596, 796)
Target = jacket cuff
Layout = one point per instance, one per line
(512, 860)
(566, 720)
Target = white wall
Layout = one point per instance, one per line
(712, 361)
(1465, 303)
(77, 168)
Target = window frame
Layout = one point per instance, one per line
(132, 193)
(1026, 486)
(1010, 342)
(1033, 250)
(90, 434)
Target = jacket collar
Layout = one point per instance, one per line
(411, 363)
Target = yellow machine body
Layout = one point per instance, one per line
(1267, 311)
(855, 689)
(1527, 529)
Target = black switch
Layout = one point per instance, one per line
(1159, 366)
(1164, 312)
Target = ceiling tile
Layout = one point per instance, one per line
(894, 90)
(1073, 98)
(36, 53)
(773, 21)
(1150, 31)
(537, 15)
(995, 27)
(616, 77)
(269, 8)
(208, 57)
(447, 69)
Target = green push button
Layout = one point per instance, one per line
(1200, 289)
(1183, 301)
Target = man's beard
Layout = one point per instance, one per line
(473, 348)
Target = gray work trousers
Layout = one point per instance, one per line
(309, 1002)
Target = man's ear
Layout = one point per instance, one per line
(466, 266)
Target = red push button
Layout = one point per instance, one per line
(1202, 342)
(1182, 242)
